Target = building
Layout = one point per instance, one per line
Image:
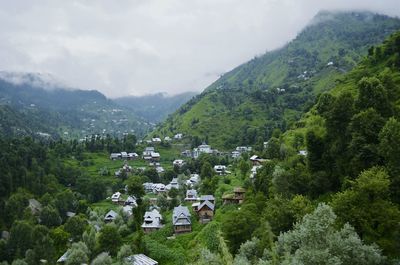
(220, 169)
(303, 152)
(159, 188)
(148, 186)
(209, 198)
(156, 140)
(254, 171)
(110, 216)
(115, 156)
(147, 152)
(179, 163)
(178, 136)
(155, 156)
(236, 197)
(140, 259)
(235, 154)
(174, 183)
(116, 197)
(131, 200)
(256, 160)
(152, 221)
(205, 211)
(191, 196)
(160, 169)
(167, 139)
(181, 220)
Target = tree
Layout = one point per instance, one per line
(75, 226)
(244, 167)
(102, 259)
(89, 238)
(367, 207)
(315, 240)
(372, 94)
(124, 252)
(206, 171)
(78, 254)
(20, 238)
(49, 216)
(135, 187)
(273, 148)
(109, 239)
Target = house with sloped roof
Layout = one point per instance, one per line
(236, 197)
(209, 198)
(181, 220)
(205, 211)
(110, 216)
(140, 259)
(191, 196)
(152, 221)
(116, 197)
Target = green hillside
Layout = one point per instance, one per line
(272, 91)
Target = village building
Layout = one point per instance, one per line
(116, 197)
(140, 259)
(253, 171)
(209, 198)
(64, 257)
(148, 186)
(147, 153)
(256, 160)
(202, 149)
(236, 197)
(179, 163)
(128, 210)
(115, 156)
(187, 153)
(167, 139)
(131, 200)
(155, 156)
(156, 140)
(178, 136)
(159, 188)
(220, 169)
(110, 216)
(235, 154)
(152, 221)
(174, 183)
(132, 156)
(160, 169)
(191, 196)
(303, 152)
(124, 155)
(34, 206)
(181, 220)
(205, 211)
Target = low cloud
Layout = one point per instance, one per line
(146, 46)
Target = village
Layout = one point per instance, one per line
(179, 205)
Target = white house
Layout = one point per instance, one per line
(152, 221)
(178, 162)
(140, 259)
(159, 188)
(220, 169)
(110, 216)
(167, 139)
(235, 154)
(191, 196)
(178, 136)
(156, 140)
(303, 152)
(115, 198)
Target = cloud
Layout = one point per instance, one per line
(135, 47)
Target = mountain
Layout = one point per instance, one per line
(272, 91)
(61, 111)
(155, 107)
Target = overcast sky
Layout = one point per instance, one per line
(136, 47)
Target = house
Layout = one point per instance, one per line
(159, 188)
(110, 216)
(220, 169)
(115, 156)
(152, 221)
(203, 148)
(116, 197)
(148, 186)
(193, 180)
(244, 149)
(174, 183)
(179, 163)
(155, 156)
(167, 139)
(303, 152)
(131, 200)
(124, 155)
(205, 211)
(35, 206)
(156, 140)
(147, 153)
(187, 153)
(256, 160)
(140, 259)
(181, 220)
(64, 257)
(178, 136)
(236, 197)
(235, 154)
(191, 196)
(209, 198)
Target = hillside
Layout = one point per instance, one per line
(60, 111)
(272, 91)
(155, 107)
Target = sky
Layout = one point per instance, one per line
(137, 47)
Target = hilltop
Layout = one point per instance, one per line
(273, 91)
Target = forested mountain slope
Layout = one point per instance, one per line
(155, 107)
(272, 91)
(59, 111)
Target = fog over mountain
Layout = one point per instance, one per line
(143, 47)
